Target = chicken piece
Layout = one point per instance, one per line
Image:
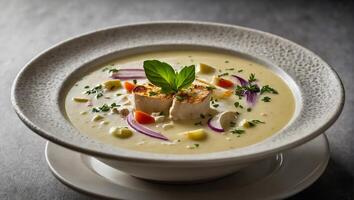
(148, 98)
(191, 103)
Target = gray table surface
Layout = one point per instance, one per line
(27, 27)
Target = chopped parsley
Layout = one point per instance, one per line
(254, 122)
(202, 116)
(238, 132)
(135, 81)
(105, 107)
(223, 74)
(87, 87)
(226, 61)
(230, 69)
(252, 78)
(249, 109)
(98, 90)
(266, 99)
(113, 70)
(239, 71)
(268, 89)
(238, 105)
(196, 145)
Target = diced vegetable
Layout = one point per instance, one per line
(206, 69)
(129, 86)
(122, 132)
(224, 83)
(221, 93)
(244, 123)
(143, 118)
(197, 135)
(141, 129)
(97, 118)
(80, 99)
(126, 74)
(242, 81)
(112, 84)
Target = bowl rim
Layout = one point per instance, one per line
(179, 158)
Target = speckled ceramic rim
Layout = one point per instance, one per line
(35, 88)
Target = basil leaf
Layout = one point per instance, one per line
(185, 77)
(164, 76)
(160, 74)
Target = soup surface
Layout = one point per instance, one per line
(223, 102)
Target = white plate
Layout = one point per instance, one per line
(273, 178)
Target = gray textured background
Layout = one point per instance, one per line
(28, 27)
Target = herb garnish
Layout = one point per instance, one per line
(196, 145)
(268, 89)
(252, 78)
(98, 90)
(266, 99)
(87, 87)
(223, 74)
(238, 105)
(237, 131)
(239, 71)
(249, 109)
(164, 76)
(113, 70)
(230, 69)
(202, 116)
(135, 81)
(105, 107)
(253, 123)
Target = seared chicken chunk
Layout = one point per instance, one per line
(148, 98)
(191, 103)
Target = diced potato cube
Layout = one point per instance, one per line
(206, 69)
(123, 132)
(112, 84)
(197, 135)
(80, 99)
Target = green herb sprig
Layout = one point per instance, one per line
(164, 76)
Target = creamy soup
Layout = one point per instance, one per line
(180, 102)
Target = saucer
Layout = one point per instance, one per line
(274, 178)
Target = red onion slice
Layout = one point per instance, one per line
(215, 125)
(142, 129)
(242, 81)
(129, 73)
(251, 98)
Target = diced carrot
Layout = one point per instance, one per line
(225, 83)
(143, 118)
(129, 86)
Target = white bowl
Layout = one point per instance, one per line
(39, 90)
